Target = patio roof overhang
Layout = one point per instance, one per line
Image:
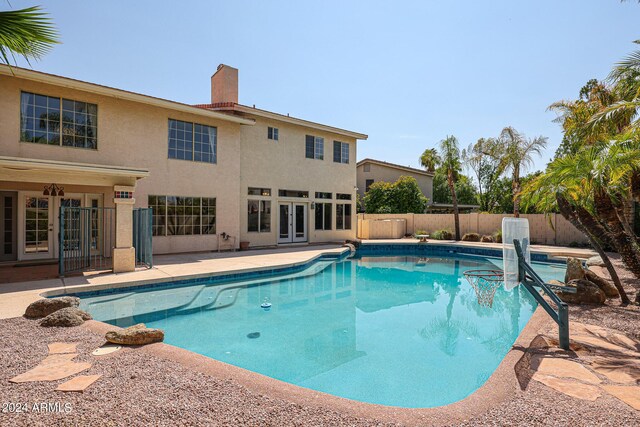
(47, 171)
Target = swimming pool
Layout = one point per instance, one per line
(393, 330)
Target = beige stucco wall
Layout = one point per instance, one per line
(390, 174)
(135, 135)
(549, 230)
(282, 164)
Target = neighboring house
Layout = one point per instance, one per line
(370, 171)
(205, 170)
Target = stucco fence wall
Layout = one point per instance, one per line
(547, 230)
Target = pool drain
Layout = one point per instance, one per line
(253, 335)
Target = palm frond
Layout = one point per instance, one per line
(26, 32)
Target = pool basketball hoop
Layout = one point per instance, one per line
(485, 283)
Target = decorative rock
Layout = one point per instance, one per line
(627, 394)
(62, 347)
(46, 306)
(587, 293)
(574, 270)
(570, 388)
(486, 239)
(551, 366)
(70, 316)
(595, 261)
(54, 367)
(606, 286)
(79, 383)
(135, 335)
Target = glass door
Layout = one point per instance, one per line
(300, 222)
(284, 223)
(37, 236)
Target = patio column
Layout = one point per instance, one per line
(124, 254)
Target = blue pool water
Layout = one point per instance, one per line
(394, 330)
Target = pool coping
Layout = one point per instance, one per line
(502, 383)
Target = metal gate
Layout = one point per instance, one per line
(142, 235)
(86, 239)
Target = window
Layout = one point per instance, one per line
(323, 216)
(192, 141)
(343, 216)
(293, 193)
(341, 196)
(324, 195)
(368, 184)
(340, 152)
(367, 167)
(259, 216)
(272, 133)
(58, 121)
(183, 216)
(314, 147)
(259, 191)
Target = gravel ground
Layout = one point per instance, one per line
(138, 389)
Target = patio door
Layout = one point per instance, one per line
(36, 239)
(292, 222)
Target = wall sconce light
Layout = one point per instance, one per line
(313, 205)
(53, 190)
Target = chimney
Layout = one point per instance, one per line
(224, 85)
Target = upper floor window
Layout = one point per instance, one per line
(314, 147)
(192, 141)
(272, 133)
(368, 184)
(367, 167)
(58, 121)
(340, 152)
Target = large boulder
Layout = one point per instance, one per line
(46, 306)
(586, 293)
(574, 270)
(135, 335)
(606, 286)
(595, 261)
(66, 317)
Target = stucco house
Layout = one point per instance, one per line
(208, 169)
(370, 171)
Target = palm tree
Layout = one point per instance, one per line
(515, 154)
(430, 159)
(26, 32)
(447, 158)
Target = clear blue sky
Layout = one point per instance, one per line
(405, 73)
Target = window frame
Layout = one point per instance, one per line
(318, 147)
(194, 152)
(180, 205)
(343, 215)
(367, 184)
(341, 152)
(90, 112)
(326, 215)
(262, 207)
(272, 133)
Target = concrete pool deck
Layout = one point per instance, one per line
(15, 297)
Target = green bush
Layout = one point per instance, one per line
(471, 237)
(403, 196)
(442, 235)
(497, 236)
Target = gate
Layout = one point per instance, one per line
(86, 239)
(142, 221)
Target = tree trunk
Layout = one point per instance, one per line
(454, 199)
(626, 245)
(516, 194)
(571, 216)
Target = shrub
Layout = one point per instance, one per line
(497, 236)
(420, 232)
(442, 235)
(486, 239)
(402, 196)
(471, 237)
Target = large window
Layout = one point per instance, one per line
(192, 141)
(314, 147)
(343, 216)
(58, 121)
(340, 152)
(323, 216)
(183, 216)
(259, 216)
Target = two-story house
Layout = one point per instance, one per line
(208, 169)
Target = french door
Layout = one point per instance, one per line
(292, 223)
(37, 217)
